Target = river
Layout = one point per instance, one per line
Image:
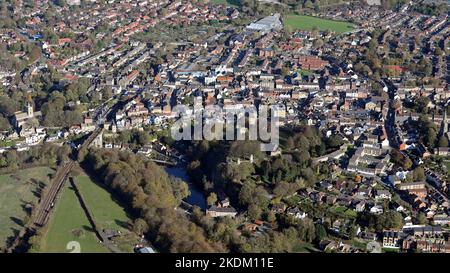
(197, 198)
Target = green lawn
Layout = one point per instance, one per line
(67, 220)
(343, 211)
(231, 3)
(7, 143)
(390, 250)
(358, 243)
(304, 72)
(17, 190)
(302, 22)
(351, 213)
(340, 209)
(69, 217)
(107, 212)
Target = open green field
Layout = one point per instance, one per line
(106, 211)
(231, 3)
(69, 218)
(69, 223)
(16, 191)
(302, 22)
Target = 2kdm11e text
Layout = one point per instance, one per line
(246, 262)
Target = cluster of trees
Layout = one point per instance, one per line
(9, 19)
(58, 104)
(428, 131)
(207, 163)
(12, 101)
(56, 114)
(310, 5)
(288, 169)
(392, 4)
(253, 187)
(282, 175)
(207, 158)
(134, 138)
(310, 141)
(422, 68)
(153, 195)
(372, 64)
(7, 108)
(4, 123)
(257, 8)
(6, 12)
(254, 198)
(77, 90)
(418, 174)
(420, 104)
(388, 220)
(400, 159)
(430, 8)
(141, 184)
(9, 61)
(443, 141)
(47, 154)
(283, 241)
(287, 239)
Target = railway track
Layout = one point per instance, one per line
(48, 202)
(49, 199)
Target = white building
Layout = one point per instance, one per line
(267, 24)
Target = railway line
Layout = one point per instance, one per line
(48, 201)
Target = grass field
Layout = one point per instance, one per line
(17, 190)
(69, 218)
(107, 212)
(302, 22)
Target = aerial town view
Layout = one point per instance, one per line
(224, 126)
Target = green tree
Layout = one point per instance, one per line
(180, 189)
(443, 142)
(422, 218)
(271, 217)
(4, 124)
(419, 174)
(140, 226)
(321, 232)
(212, 199)
(254, 212)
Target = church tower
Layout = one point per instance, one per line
(30, 107)
(30, 110)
